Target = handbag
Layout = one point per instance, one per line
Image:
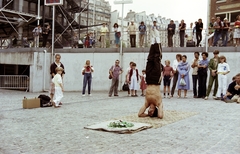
(182, 82)
(109, 76)
(125, 87)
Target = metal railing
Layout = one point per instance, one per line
(14, 82)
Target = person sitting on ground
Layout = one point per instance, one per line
(153, 99)
(233, 91)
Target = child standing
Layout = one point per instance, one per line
(143, 85)
(167, 76)
(57, 80)
(222, 70)
(133, 78)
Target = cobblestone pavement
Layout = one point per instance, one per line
(216, 129)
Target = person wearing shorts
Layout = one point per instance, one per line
(167, 76)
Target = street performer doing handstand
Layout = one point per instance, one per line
(153, 98)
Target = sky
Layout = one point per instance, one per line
(189, 10)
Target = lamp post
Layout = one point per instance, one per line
(208, 17)
(121, 45)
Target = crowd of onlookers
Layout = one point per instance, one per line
(216, 69)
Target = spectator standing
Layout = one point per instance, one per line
(87, 71)
(237, 31)
(45, 34)
(195, 63)
(183, 69)
(37, 31)
(142, 31)
(127, 76)
(213, 77)
(75, 40)
(155, 35)
(143, 84)
(222, 70)
(226, 26)
(132, 32)
(115, 71)
(53, 67)
(167, 76)
(218, 25)
(199, 28)
(175, 72)
(202, 75)
(182, 28)
(211, 30)
(117, 34)
(57, 80)
(133, 78)
(103, 32)
(171, 31)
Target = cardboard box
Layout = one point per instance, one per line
(31, 103)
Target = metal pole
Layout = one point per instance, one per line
(38, 21)
(53, 30)
(121, 45)
(208, 14)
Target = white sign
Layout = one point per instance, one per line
(123, 1)
(53, 2)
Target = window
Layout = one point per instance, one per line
(220, 1)
(234, 16)
(222, 16)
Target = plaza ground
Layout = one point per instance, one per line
(214, 130)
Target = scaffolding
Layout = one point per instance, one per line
(19, 17)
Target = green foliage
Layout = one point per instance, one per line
(120, 124)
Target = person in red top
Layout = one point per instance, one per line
(237, 30)
(167, 76)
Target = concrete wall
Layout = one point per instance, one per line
(102, 60)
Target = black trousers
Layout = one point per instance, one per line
(195, 80)
(182, 35)
(133, 40)
(175, 79)
(170, 40)
(202, 80)
(45, 37)
(198, 37)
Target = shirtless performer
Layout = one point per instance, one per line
(153, 98)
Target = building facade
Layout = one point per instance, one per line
(148, 21)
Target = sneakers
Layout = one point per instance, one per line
(206, 98)
(89, 94)
(214, 97)
(83, 95)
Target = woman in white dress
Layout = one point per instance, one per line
(133, 78)
(236, 34)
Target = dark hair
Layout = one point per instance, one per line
(179, 55)
(184, 56)
(142, 22)
(155, 114)
(215, 52)
(134, 64)
(115, 25)
(143, 70)
(205, 53)
(131, 63)
(196, 53)
(233, 78)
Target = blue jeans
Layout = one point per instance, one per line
(217, 36)
(87, 79)
(224, 38)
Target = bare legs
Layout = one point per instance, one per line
(179, 93)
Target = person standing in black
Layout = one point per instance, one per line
(199, 28)
(182, 28)
(45, 34)
(202, 75)
(171, 31)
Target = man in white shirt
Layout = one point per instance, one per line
(132, 32)
(195, 63)
(175, 76)
(104, 30)
(155, 33)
